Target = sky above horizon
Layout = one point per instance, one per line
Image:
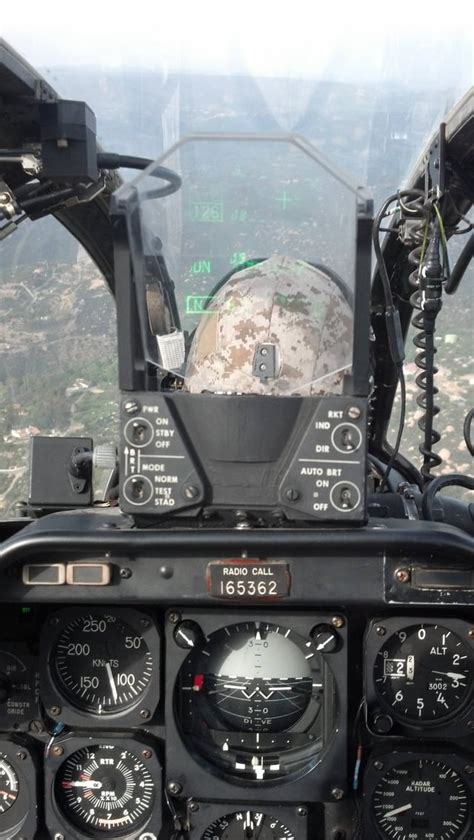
(364, 42)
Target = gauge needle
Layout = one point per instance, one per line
(8, 794)
(397, 811)
(451, 675)
(89, 784)
(108, 668)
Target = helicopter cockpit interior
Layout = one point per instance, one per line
(237, 587)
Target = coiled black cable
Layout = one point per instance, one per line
(426, 279)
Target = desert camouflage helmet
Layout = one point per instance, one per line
(278, 327)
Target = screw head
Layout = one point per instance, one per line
(292, 494)
(174, 617)
(21, 755)
(59, 836)
(337, 621)
(145, 714)
(174, 788)
(302, 811)
(337, 794)
(378, 765)
(471, 633)
(125, 573)
(131, 406)
(58, 751)
(402, 575)
(147, 754)
(36, 726)
(354, 412)
(381, 631)
(55, 711)
(193, 806)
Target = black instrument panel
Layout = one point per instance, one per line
(336, 715)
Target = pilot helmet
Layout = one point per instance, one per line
(280, 327)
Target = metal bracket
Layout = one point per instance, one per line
(436, 163)
(30, 161)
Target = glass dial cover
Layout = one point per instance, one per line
(247, 825)
(424, 673)
(101, 664)
(9, 785)
(105, 789)
(248, 699)
(254, 677)
(420, 799)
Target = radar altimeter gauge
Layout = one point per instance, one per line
(105, 789)
(101, 663)
(247, 825)
(420, 797)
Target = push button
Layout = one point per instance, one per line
(88, 574)
(44, 574)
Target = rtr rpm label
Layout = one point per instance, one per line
(248, 580)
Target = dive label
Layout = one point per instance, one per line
(248, 580)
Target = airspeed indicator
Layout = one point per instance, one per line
(102, 662)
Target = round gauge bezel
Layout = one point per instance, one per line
(21, 817)
(61, 705)
(381, 763)
(410, 718)
(198, 774)
(380, 631)
(207, 814)
(56, 819)
(210, 833)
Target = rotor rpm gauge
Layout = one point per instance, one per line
(424, 673)
(247, 825)
(105, 789)
(102, 663)
(420, 799)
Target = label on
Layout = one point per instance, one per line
(248, 580)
